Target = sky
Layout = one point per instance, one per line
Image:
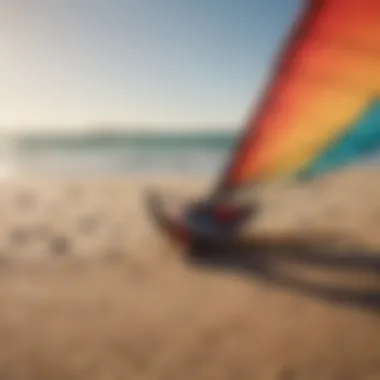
(68, 64)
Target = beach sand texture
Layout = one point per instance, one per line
(90, 290)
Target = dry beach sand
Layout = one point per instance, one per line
(90, 290)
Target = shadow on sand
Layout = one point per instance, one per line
(267, 265)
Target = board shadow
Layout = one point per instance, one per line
(265, 265)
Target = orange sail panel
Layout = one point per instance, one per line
(323, 95)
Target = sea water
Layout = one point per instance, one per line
(119, 153)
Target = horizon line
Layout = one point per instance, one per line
(122, 127)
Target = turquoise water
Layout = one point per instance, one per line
(124, 153)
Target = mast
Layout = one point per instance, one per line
(225, 187)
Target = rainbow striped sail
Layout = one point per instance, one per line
(322, 107)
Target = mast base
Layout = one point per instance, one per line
(199, 222)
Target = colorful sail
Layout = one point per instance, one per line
(322, 107)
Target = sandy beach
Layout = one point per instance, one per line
(90, 290)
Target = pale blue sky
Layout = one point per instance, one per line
(158, 62)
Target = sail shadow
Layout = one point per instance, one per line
(265, 266)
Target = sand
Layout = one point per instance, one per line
(90, 290)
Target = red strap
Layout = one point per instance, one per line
(226, 213)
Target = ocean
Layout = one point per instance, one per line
(116, 153)
(120, 153)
